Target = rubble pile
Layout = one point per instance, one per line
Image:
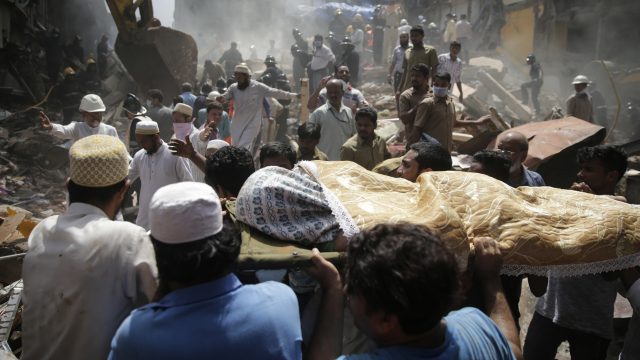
(33, 166)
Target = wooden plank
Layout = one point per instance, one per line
(523, 113)
(304, 98)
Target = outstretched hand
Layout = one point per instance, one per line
(45, 123)
(182, 148)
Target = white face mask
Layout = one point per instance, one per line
(181, 130)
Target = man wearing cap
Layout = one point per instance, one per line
(183, 127)
(351, 59)
(272, 67)
(579, 104)
(248, 97)
(84, 272)
(155, 166)
(196, 254)
(92, 109)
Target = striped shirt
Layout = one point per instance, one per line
(452, 67)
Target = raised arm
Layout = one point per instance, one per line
(488, 262)
(326, 342)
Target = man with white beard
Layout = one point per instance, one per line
(517, 147)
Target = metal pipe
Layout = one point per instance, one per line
(10, 257)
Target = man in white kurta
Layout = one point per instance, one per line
(248, 96)
(183, 127)
(84, 273)
(92, 109)
(155, 166)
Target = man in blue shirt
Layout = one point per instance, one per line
(401, 280)
(186, 93)
(517, 146)
(203, 310)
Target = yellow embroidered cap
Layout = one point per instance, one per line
(98, 161)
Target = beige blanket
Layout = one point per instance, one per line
(540, 230)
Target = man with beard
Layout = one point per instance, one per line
(248, 97)
(92, 109)
(352, 98)
(83, 268)
(515, 144)
(155, 166)
(418, 54)
(397, 59)
(410, 98)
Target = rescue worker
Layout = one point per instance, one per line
(337, 25)
(69, 94)
(579, 104)
(272, 68)
(132, 108)
(379, 23)
(90, 79)
(231, 58)
(212, 71)
(92, 109)
(351, 59)
(103, 52)
(535, 73)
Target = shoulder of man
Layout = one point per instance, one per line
(407, 93)
(321, 156)
(351, 143)
(477, 333)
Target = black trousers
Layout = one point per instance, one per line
(544, 337)
(535, 86)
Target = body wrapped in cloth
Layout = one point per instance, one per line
(540, 230)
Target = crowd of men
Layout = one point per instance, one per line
(168, 286)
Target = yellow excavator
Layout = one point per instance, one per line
(155, 56)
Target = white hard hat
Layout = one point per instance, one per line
(581, 79)
(213, 96)
(92, 103)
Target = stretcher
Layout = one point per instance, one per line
(260, 252)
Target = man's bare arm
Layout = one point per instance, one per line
(185, 149)
(488, 262)
(326, 342)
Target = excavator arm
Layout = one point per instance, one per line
(155, 56)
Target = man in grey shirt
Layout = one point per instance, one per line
(335, 120)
